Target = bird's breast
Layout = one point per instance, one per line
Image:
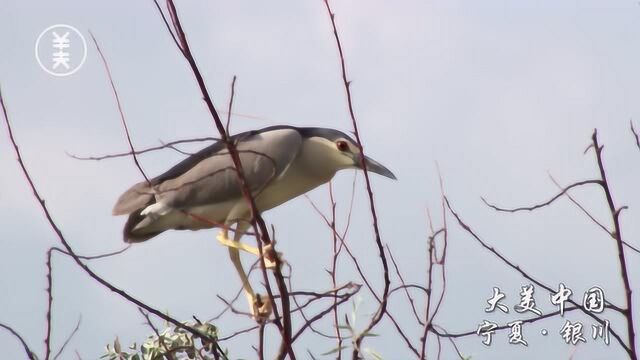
(295, 181)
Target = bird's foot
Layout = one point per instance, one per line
(271, 257)
(269, 254)
(225, 241)
(260, 308)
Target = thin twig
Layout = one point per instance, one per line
(351, 202)
(236, 297)
(30, 354)
(546, 203)
(503, 327)
(364, 278)
(166, 23)
(585, 211)
(429, 290)
(635, 134)
(233, 90)
(155, 331)
(66, 342)
(92, 257)
(244, 331)
(593, 219)
(139, 152)
(453, 343)
(334, 268)
(69, 249)
(321, 314)
(525, 274)
(257, 221)
(445, 243)
(261, 324)
(406, 291)
(124, 122)
(47, 339)
(617, 232)
(300, 308)
(383, 259)
(49, 264)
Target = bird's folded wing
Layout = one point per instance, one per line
(212, 179)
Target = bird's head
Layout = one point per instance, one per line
(343, 151)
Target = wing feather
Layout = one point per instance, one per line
(212, 179)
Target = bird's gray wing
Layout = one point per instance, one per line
(212, 179)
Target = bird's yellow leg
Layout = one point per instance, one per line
(224, 240)
(260, 306)
(236, 244)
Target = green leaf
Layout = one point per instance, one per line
(334, 350)
(369, 334)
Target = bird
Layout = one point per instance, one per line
(202, 191)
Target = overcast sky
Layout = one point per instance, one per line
(498, 93)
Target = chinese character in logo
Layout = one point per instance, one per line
(61, 50)
(515, 337)
(560, 297)
(495, 301)
(527, 303)
(486, 329)
(60, 57)
(572, 333)
(601, 331)
(594, 300)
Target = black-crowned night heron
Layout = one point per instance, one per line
(279, 163)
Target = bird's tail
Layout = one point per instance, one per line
(136, 198)
(137, 228)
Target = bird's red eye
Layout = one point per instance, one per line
(342, 145)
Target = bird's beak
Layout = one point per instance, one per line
(375, 167)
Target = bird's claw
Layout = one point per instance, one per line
(270, 256)
(260, 308)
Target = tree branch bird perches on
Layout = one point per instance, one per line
(279, 163)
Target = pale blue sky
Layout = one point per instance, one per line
(499, 93)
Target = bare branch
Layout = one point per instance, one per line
(124, 122)
(321, 314)
(527, 275)
(504, 327)
(406, 291)
(138, 152)
(383, 304)
(30, 354)
(157, 333)
(70, 251)
(635, 134)
(92, 257)
(66, 342)
(166, 23)
(593, 219)
(244, 331)
(334, 265)
(233, 90)
(546, 203)
(257, 221)
(615, 215)
(365, 279)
